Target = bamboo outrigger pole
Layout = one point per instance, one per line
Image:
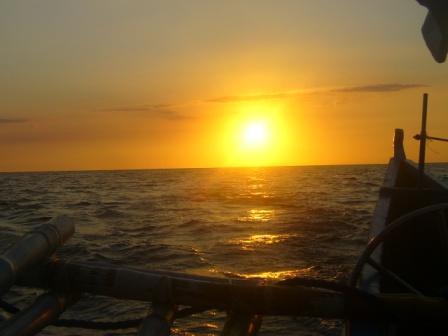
(186, 290)
(241, 296)
(33, 248)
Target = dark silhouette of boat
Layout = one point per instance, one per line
(408, 249)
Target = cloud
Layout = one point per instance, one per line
(168, 110)
(12, 120)
(370, 88)
(171, 115)
(264, 96)
(380, 88)
(139, 108)
(162, 111)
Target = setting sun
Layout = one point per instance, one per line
(256, 134)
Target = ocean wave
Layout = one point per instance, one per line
(109, 213)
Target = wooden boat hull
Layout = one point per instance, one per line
(418, 252)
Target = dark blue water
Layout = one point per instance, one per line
(270, 223)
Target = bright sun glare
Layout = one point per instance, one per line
(256, 134)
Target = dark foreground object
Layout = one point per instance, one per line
(412, 256)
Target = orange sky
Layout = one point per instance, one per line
(117, 85)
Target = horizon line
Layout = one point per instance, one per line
(191, 168)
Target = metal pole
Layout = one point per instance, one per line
(421, 159)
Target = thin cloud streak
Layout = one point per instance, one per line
(380, 88)
(157, 110)
(12, 120)
(371, 88)
(270, 96)
(166, 110)
(171, 115)
(139, 108)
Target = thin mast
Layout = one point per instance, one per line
(421, 160)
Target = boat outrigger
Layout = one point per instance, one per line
(397, 287)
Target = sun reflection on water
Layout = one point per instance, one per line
(267, 239)
(275, 275)
(257, 215)
(260, 240)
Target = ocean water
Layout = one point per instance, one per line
(271, 223)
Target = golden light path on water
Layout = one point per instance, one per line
(257, 241)
(278, 275)
(256, 235)
(263, 237)
(257, 215)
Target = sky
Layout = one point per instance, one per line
(117, 84)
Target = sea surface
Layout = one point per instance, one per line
(270, 223)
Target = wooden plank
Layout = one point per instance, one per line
(369, 279)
